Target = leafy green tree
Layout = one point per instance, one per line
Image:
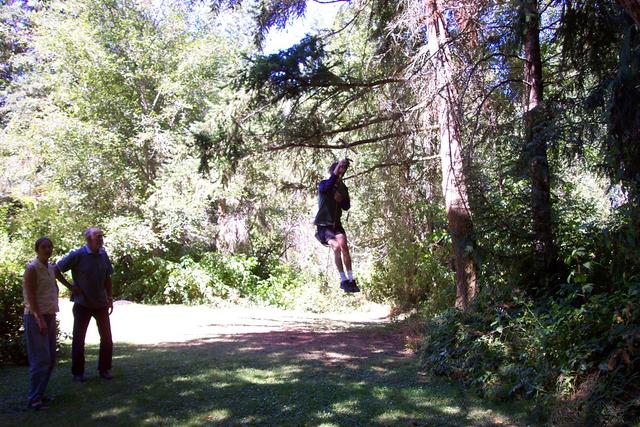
(14, 27)
(114, 92)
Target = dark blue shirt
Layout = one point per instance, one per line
(330, 211)
(89, 271)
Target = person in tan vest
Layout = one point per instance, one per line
(40, 293)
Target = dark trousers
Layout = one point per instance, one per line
(81, 318)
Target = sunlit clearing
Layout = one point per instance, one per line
(391, 416)
(111, 412)
(380, 393)
(255, 376)
(452, 410)
(346, 407)
(216, 415)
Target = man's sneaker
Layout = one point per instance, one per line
(106, 374)
(37, 405)
(349, 286)
(79, 378)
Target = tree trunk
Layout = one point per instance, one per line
(536, 145)
(633, 9)
(453, 184)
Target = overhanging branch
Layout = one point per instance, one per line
(389, 164)
(342, 146)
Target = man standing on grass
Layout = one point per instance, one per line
(333, 198)
(91, 271)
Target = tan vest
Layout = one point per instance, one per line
(46, 288)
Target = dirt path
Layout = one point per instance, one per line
(193, 366)
(267, 330)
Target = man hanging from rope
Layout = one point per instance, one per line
(333, 198)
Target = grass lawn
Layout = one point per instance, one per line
(358, 375)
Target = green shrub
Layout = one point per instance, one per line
(525, 348)
(207, 279)
(189, 282)
(416, 274)
(12, 347)
(12, 343)
(281, 289)
(158, 280)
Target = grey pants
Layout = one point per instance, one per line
(41, 349)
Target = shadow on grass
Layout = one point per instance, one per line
(357, 377)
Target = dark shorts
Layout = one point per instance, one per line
(328, 232)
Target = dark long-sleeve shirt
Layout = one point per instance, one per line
(330, 211)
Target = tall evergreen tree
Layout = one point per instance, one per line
(536, 145)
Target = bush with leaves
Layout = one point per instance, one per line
(11, 305)
(414, 274)
(11, 309)
(205, 279)
(517, 346)
(16, 249)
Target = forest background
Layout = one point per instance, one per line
(494, 181)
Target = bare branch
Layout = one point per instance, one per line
(389, 164)
(361, 125)
(343, 146)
